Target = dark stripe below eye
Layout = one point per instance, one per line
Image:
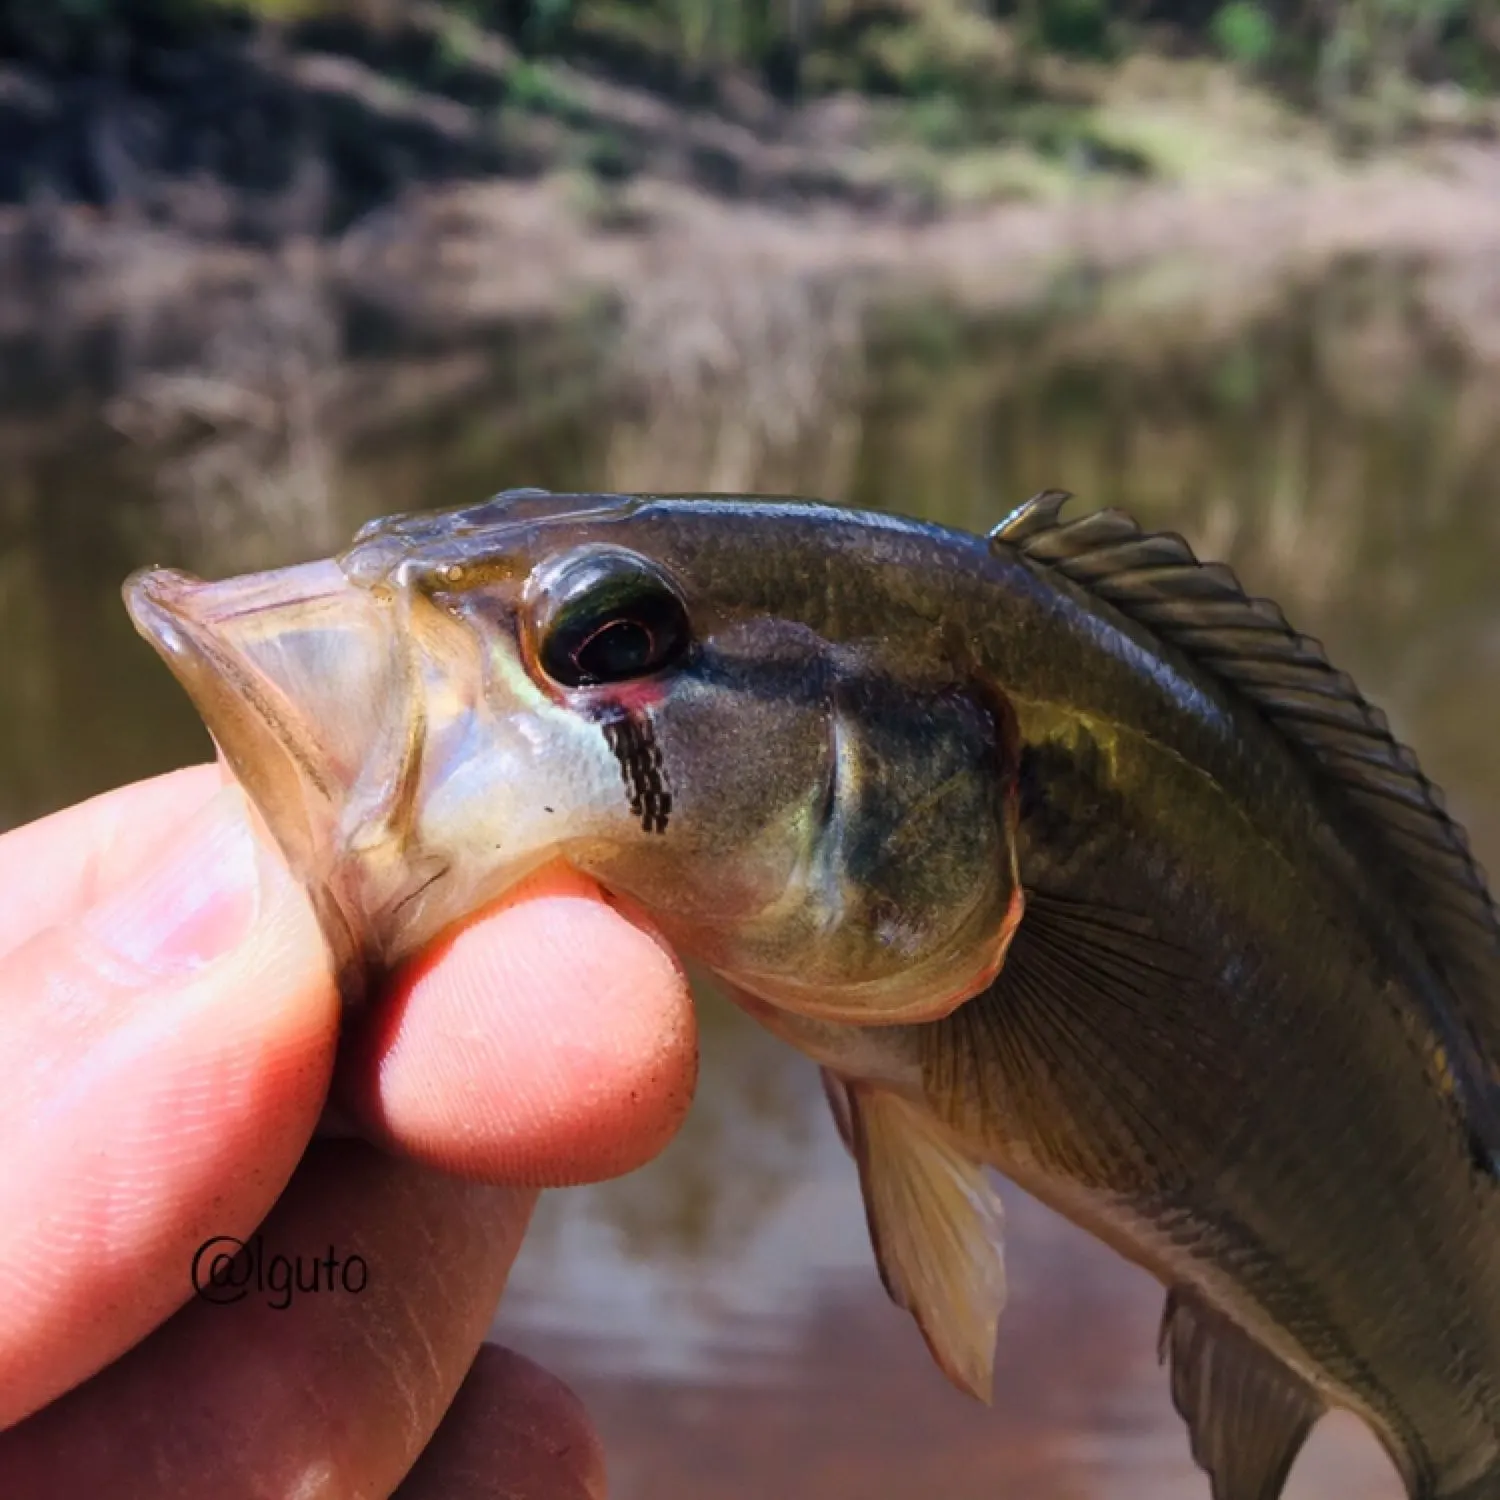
(630, 735)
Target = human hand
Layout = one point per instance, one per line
(167, 1044)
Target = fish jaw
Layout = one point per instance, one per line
(402, 761)
(301, 679)
(242, 649)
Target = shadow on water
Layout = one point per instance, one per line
(719, 1309)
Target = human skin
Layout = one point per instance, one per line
(170, 1040)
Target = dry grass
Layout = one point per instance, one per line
(242, 437)
(738, 374)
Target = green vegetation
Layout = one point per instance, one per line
(1245, 32)
(968, 98)
(966, 50)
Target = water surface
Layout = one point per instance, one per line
(719, 1309)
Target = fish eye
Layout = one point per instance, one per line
(608, 617)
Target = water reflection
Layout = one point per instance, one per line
(731, 1230)
(757, 1355)
(719, 1308)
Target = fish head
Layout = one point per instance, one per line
(656, 693)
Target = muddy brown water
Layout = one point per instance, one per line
(718, 1309)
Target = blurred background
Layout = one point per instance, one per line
(269, 269)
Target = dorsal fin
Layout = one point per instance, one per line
(1201, 610)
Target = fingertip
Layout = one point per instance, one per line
(548, 1042)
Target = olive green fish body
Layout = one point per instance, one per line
(1261, 1101)
(1269, 1097)
(1057, 853)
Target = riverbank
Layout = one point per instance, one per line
(427, 183)
(92, 300)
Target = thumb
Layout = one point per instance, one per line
(164, 1052)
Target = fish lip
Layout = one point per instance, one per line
(157, 598)
(148, 594)
(160, 602)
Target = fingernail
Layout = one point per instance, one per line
(194, 902)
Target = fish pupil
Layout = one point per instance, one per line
(618, 649)
(615, 634)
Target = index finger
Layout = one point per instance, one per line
(547, 1042)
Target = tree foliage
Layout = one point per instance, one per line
(1326, 51)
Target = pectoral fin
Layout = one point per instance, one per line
(1247, 1413)
(936, 1226)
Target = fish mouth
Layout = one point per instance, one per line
(293, 672)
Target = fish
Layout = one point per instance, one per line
(1063, 858)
